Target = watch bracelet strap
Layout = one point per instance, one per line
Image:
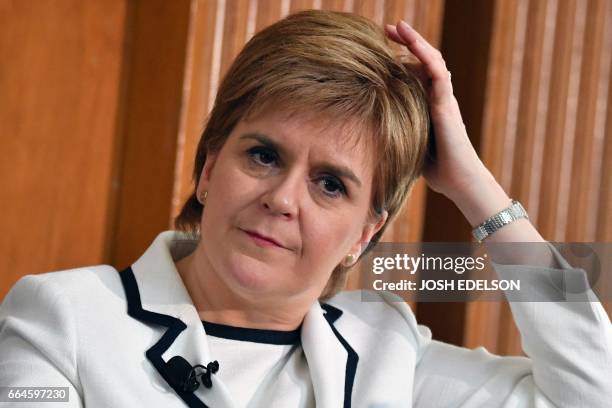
(512, 213)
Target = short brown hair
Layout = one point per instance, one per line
(330, 63)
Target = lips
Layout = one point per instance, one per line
(257, 234)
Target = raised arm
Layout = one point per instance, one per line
(569, 344)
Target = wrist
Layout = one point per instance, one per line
(480, 199)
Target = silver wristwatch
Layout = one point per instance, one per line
(505, 216)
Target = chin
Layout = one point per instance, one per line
(252, 276)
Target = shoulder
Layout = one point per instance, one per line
(70, 286)
(381, 311)
(46, 322)
(372, 303)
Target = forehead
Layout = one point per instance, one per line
(321, 134)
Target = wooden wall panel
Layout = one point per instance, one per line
(603, 232)
(267, 12)
(299, 5)
(153, 97)
(234, 31)
(203, 59)
(337, 5)
(59, 82)
(587, 151)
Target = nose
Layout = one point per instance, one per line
(281, 198)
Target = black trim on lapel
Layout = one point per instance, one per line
(174, 325)
(331, 315)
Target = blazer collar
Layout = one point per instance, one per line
(157, 296)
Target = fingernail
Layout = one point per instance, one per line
(405, 25)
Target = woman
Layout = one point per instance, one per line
(315, 139)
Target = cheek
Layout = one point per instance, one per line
(329, 240)
(231, 191)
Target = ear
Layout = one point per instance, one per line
(206, 173)
(368, 231)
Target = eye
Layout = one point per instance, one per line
(332, 186)
(262, 155)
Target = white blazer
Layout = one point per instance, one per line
(107, 335)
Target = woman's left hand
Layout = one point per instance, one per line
(457, 165)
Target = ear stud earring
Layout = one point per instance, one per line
(202, 197)
(349, 259)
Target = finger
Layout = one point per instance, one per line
(431, 59)
(416, 68)
(391, 31)
(411, 36)
(427, 54)
(423, 72)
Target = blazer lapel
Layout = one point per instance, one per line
(331, 360)
(157, 296)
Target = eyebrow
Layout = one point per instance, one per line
(340, 170)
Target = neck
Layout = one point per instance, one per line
(217, 303)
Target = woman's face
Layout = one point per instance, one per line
(305, 185)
